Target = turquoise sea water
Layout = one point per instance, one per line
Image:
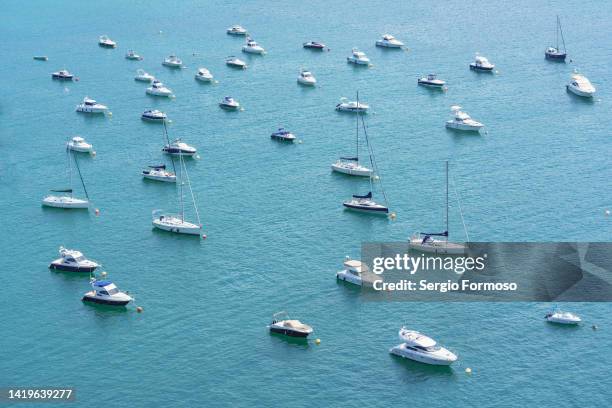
(276, 229)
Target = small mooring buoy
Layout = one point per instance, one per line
(139, 309)
(607, 212)
(392, 216)
(318, 341)
(204, 236)
(468, 370)
(97, 211)
(595, 327)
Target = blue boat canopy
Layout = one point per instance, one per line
(369, 195)
(102, 283)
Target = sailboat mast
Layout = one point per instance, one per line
(80, 176)
(181, 163)
(561, 31)
(447, 201)
(557, 33)
(168, 141)
(69, 171)
(357, 129)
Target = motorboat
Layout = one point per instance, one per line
(283, 135)
(365, 204)
(462, 121)
(282, 324)
(229, 103)
(389, 41)
(173, 61)
(131, 55)
(179, 148)
(432, 81)
(358, 58)
(143, 76)
(41, 58)
(352, 271)
(91, 106)
(158, 89)
(154, 115)
(62, 74)
(78, 144)
(306, 78)
(352, 106)
(481, 64)
(159, 173)
(235, 62)
(72, 261)
(314, 45)
(237, 30)
(252, 47)
(554, 53)
(352, 167)
(581, 86)
(562, 318)
(418, 347)
(105, 292)
(106, 42)
(203, 75)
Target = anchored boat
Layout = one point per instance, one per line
(282, 324)
(554, 53)
(73, 261)
(65, 197)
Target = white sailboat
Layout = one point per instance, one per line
(65, 197)
(423, 241)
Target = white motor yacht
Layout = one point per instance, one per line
(432, 81)
(143, 76)
(62, 74)
(106, 42)
(159, 173)
(229, 103)
(358, 58)
(154, 115)
(72, 261)
(283, 135)
(562, 318)
(105, 292)
(131, 55)
(78, 144)
(173, 61)
(179, 148)
(365, 204)
(91, 106)
(235, 62)
(418, 347)
(203, 75)
(352, 271)
(282, 324)
(237, 30)
(306, 78)
(389, 41)
(314, 45)
(158, 89)
(481, 64)
(352, 106)
(252, 47)
(462, 121)
(581, 86)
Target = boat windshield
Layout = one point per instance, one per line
(112, 291)
(80, 258)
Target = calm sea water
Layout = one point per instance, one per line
(276, 229)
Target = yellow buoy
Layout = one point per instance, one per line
(318, 341)
(139, 309)
(468, 370)
(392, 216)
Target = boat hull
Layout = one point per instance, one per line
(305, 82)
(186, 228)
(386, 44)
(555, 56)
(69, 268)
(152, 119)
(65, 202)
(463, 127)
(480, 68)
(87, 109)
(401, 351)
(255, 51)
(159, 178)
(345, 276)
(366, 210)
(354, 61)
(438, 247)
(351, 171)
(100, 301)
(578, 92)
(431, 84)
(203, 78)
(290, 333)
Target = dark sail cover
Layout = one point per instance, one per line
(68, 190)
(161, 166)
(369, 195)
(436, 234)
(349, 158)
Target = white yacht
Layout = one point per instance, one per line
(462, 121)
(358, 58)
(306, 78)
(131, 55)
(78, 144)
(179, 148)
(352, 106)
(143, 76)
(554, 53)
(154, 115)
(365, 204)
(176, 224)
(173, 61)
(91, 106)
(283, 135)
(105, 292)
(314, 45)
(72, 261)
(158, 89)
(203, 75)
(229, 103)
(481, 64)
(389, 41)
(159, 173)
(581, 86)
(562, 318)
(352, 271)
(62, 74)
(252, 47)
(237, 30)
(418, 347)
(282, 324)
(65, 197)
(106, 42)
(432, 81)
(235, 62)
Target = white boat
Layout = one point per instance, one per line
(424, 241)
(462, 121)
(352, 271)
(365, 204)
(283, 135)
(562, 318)
(203, 75)
(432, 81)
(78, 144)
(389, 41)
(66, 198)
(154, 115)
(106, 42)
(352, 106)
(159, 173)
(306, 78)
(581, 86)
(358, 58)
(72, 261)
(252, 47)
(418, 347)
(282, 324)
(143, 76)
(554, 53)
(158, 89)
(131, 55)
(229, 103)
(236, 30)
(62, 74)
(481, 64)
(105, 292)
(91, 106)
(314, 45)
(173, 61)
(179, 148)
(350, 165)
(235, 62)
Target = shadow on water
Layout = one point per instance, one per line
(460, 134)
(72, 213)
(295, 342)
(105, 310)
